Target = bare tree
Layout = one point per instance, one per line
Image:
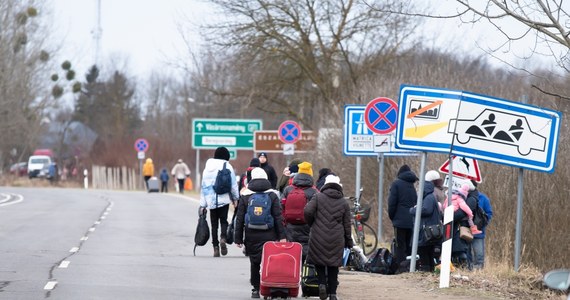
(294, 57)
(23, 77)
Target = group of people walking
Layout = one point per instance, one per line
(465, 200)
(180, 172)
(289, 209)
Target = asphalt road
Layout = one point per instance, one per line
(92, 244)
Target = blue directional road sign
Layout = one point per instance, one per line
(358, 139)
(477, 126)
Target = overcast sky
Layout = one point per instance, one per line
(146, 32)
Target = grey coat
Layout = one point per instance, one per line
(328, 214)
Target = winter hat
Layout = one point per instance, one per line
(404, 168)
(463, 190)
(222, 153)
(180, 160)
(432, 175)
(262, 154)
(306, 168)
(258, 173)
(294, 168)
(255, 162)
(324, 172)
(332, 179)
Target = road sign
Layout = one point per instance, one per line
(289, 132)
(457, 182)
(464, 167)
(358, 139)
(381, 115)
(382, 143)
(233, 154)
(477, 126)
(289, 149)
(229, 133)
(268, 141)
(140, 155)
(141, 145)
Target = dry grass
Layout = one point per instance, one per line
(496, 281)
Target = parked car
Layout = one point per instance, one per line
(19, 169)
(38, 165)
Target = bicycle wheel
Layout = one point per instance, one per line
(370, 241)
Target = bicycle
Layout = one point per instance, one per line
(364, 235)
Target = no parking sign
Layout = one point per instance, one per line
(381, 115)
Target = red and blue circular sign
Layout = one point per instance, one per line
(289, 132)
(381, 115)
(141, 145)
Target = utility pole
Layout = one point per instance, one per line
(97, 33)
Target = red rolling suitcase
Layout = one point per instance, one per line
(281, 269)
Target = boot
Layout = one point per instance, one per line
(475, 230)
(323, 291)
(224, 247)
(255, 293)
(216, 251)
(333, 297)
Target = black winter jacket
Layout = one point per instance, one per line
(300, 232)
(328, 214)
(254, 239)
(271, 175)
(402, 197)
(430, 214)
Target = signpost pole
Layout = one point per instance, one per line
(358, 172)
(380, 194)
(140, 173)
(445, 267)
(518, 231)
(418, 214)
(198, 183)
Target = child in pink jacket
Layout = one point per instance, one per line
(458, 198)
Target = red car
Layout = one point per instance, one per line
(19, 169)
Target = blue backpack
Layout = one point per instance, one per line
(223, 183)
(258, 215)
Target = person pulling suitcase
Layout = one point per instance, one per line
(259, 215)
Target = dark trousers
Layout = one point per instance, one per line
(328, 276)
(146, 178)
(181, 185)
(164, 186)
(254, 268)
(219, 215)
(402, 247)
(427, 263)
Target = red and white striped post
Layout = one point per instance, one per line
(446, 247)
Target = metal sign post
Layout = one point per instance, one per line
(380, 195)
(445, 269)
(418, 214)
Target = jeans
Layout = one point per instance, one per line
(478, 248)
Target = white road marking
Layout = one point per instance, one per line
(64, 264)
(20, 199)
(91, 229)
(74, 249)
(103, 218)
(97, 223)
(84, 238)
(105, 213)
(50, 285)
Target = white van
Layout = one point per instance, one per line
(38, 165)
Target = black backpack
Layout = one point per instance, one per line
(380, 262)
(230, 233)
(202, 232)
(223, 183)
(480, 217)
